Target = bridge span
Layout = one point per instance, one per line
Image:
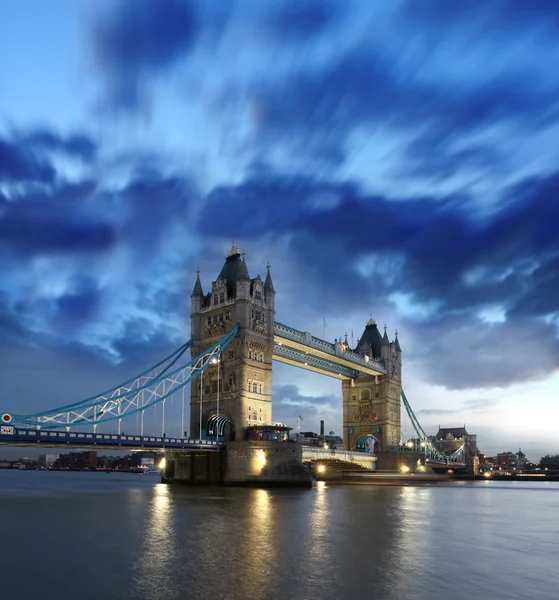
(12, 436)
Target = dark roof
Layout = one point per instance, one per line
(371, 336)
(457, 432)
(397, 344)
(234, 270)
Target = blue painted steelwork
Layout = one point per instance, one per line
(63, 439)
(436, 456)
(116, 405)
(290, 333)
(314, 361)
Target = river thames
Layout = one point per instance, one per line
(97, 536)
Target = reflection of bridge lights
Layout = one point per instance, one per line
(404, 469)
(263, 459)
(321, 468)
(162, 463)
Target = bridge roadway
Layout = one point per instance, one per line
(301, 349)
(109, 441)
(112, 441)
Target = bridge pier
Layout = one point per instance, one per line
(247, 463)
(407, 462)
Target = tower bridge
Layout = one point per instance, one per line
(235, 339)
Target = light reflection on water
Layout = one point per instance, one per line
(92, 536)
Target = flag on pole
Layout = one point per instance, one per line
(300, 418)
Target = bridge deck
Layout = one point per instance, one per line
(319, 355)
(75, 439)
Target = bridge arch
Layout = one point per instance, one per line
(367, 443)
(220, 424)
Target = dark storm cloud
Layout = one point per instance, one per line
(365, 88)
(18, 163)
(448, 256)
(502, 14)
(431, 155)
(133, 42)
(301, 19)
(27, 228)
(79, 305)
(77, 144)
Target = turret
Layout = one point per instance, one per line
(269, 290)
(197, 297)
(385, 346)
(397, 344)
(243, 279)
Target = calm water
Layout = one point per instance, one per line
(92, 535)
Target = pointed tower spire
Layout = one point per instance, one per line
(243, 271)
(385, 341)
(268, 285)
(397, 343)
(197, 291)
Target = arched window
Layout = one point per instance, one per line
(221, 298)
(254, 388)
(365, 395)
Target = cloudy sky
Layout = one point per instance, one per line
(398, 159)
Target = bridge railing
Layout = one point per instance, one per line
(307, 339)
(363, 459)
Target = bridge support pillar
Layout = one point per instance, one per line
(266, 463)
(256, 463)
(407, 462)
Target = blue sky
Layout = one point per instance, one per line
(398, 160)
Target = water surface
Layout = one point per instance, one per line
(97, 536)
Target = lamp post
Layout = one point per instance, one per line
(201, 391)
(216, 362)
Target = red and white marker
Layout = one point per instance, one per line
(6, 418)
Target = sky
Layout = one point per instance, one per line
(393, 159)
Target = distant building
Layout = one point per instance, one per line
(506, 460)
(450, 439)
(46, 461)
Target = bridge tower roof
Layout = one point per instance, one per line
(197, 291)
(371, 336)
(234, 269)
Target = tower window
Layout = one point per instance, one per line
(365, 395)
(221, 298)
(254, 388)
(258, 295)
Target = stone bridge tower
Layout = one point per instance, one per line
(371, 404)
(245, 367)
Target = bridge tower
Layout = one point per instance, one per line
(245, 367)
(371, 404)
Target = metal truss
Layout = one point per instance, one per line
(285, 331)
(308, 360)
(151, 387)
